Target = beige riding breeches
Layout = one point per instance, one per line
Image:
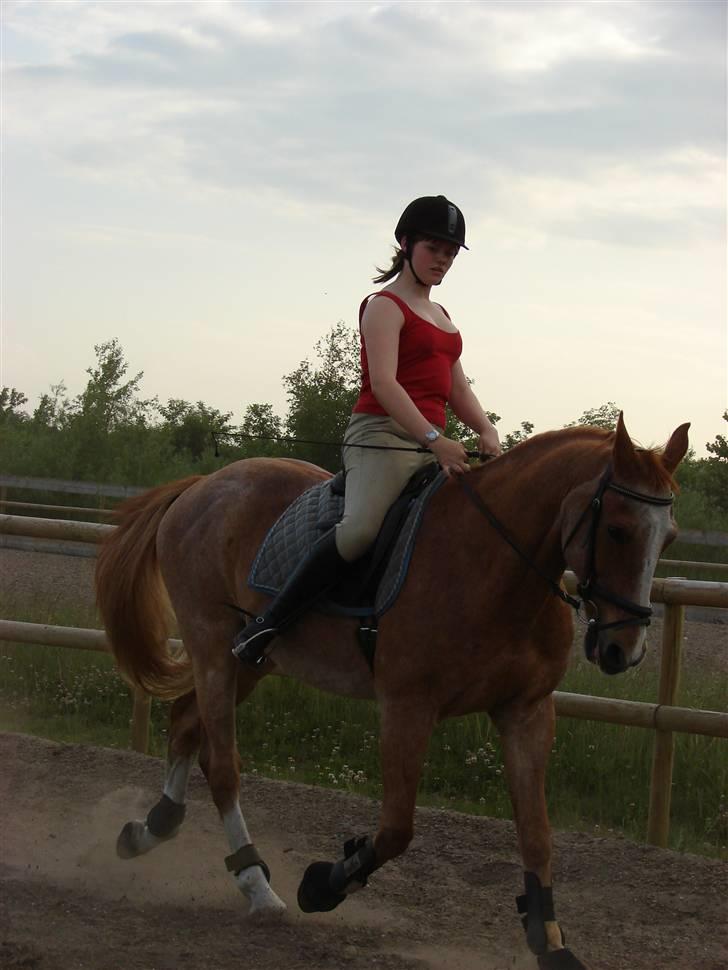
(374, 479)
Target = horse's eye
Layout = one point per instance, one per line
(619, 535)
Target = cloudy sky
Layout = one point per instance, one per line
(213, 182)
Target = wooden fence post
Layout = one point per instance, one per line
(658, 822)
(140, 721)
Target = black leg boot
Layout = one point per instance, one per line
(317, 573)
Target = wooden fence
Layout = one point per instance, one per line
(664, 717)
(62, 485)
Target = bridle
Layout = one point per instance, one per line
(590, 586)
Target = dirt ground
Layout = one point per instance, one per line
(68, 903)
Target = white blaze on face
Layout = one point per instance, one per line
(656, 520)
(660, 525)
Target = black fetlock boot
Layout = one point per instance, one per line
(317, 573)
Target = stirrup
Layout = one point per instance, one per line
(252, 650)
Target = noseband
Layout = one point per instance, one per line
(590, 587)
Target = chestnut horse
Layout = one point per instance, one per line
(476, 627)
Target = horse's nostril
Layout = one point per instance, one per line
(613, 659)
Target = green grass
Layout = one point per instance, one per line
(598, 778)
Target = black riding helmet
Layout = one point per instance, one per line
(433, 216)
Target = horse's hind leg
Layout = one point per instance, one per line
(405, 733)
(217, 696)
(165, 818)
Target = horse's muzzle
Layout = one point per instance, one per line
(610, 657)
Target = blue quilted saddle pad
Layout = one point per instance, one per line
(316, 511)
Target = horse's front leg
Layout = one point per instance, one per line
(406, 726)
(527, 736)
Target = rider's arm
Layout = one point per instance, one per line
(470, 411)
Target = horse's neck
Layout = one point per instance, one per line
(526, 491)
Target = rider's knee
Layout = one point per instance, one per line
(353, 539)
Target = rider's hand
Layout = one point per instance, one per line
(451, 454)
(489, 443)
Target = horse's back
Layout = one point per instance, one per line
(220, 521)
(253, 487)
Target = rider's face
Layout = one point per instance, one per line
(432, 258)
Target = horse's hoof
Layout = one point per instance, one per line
(271, 908)
(562, 959)
(253, 884)
(314, 894)
(136, 839)
(128, 845)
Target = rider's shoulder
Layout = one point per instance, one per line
(383, 307)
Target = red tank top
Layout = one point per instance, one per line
(424, 365)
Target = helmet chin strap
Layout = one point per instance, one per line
(412, 269)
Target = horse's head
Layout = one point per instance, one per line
(614, 529)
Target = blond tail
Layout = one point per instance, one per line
(132, 598)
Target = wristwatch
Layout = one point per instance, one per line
(431, 437)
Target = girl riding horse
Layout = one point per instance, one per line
(410, 361)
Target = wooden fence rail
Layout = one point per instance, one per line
(88, 550)
(36, 506)
(62, 485)
(77, 638)
(664, 717)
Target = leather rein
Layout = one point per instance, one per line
(590, 586)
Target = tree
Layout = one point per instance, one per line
(11, 400)
(260, 433)
(107, 406)
(54, 409)
(517, 436)
(321, 396)
(458, 431)
(719, 447)
(107, 402)
(715, 473)
(191, 426)
(605, 416)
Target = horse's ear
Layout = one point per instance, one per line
(676, 448)
(624, 456)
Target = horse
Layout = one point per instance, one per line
(480, 625)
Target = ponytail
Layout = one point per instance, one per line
(385, 275)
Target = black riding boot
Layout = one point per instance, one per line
(317, 573)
